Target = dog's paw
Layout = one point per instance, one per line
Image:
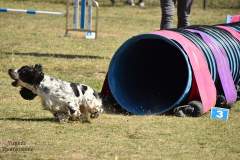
(84, 118)
(94, 112)
(94, 115)
(62, 117)
(62, 121)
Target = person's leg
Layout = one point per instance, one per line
(113, 2)
(131, 2)
(183, 11)
(167, 7)
(141, 3)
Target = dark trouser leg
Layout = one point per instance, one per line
(167, 7)
(113, 2)
(183, 11)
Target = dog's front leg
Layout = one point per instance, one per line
(84, 117)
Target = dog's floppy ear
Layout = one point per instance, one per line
(27, 94)
(38, 67)
(38, 77)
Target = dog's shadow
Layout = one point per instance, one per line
(28, 119)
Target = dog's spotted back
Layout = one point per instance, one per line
(59, 97)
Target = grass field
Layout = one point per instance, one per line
(31, 132)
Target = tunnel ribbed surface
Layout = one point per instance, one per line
(151, 74)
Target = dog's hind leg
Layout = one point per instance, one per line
(74, 111)
(72, 107)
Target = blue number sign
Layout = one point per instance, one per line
(219, 113)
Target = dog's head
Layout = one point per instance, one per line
(27, 77)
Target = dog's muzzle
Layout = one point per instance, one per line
(14, 76)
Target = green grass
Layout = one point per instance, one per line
(26, 39)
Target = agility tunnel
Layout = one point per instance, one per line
(156, 72)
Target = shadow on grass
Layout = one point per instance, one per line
(29, 119)
(54, 55)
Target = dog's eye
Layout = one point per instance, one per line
(22, 73)
(25, 72)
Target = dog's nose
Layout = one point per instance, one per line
(12, 74)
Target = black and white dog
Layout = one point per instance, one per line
(63, 99)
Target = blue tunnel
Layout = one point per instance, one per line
(151, 74)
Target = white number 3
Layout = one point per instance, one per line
(219, 114)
